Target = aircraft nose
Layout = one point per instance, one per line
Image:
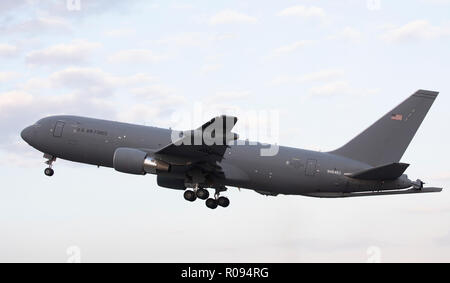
(26, 134)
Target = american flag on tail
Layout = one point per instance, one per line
(397, 117)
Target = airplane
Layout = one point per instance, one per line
(212, 157)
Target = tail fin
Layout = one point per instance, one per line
(387, 139)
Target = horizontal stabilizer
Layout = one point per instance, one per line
(386, 172)
(380, 193)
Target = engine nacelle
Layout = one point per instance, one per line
(135, 161)
(171, 183)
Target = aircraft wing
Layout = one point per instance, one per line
(207, 143)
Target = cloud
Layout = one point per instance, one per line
(39, 25)
(75, 90)
(75, 52)
(7, 5)
(8, 76)
(209, 68)
(124, 32)
(157, 112)
(79, 91)
(184, 39)
(230, 95)
(332, 88)
(19, 109)
(194, 38)
(443, 240)
(338, 88)
(59, 8)
(12, 99)
(139, 113)
(142, 56)
(348, 34)
(444, 176)
(19, 154)
(35, 84)
(419, 30)
(7, 50)
(86, 81)
(181, 6)
(13, 104)
(94, 81)
(437, 2)
(152, 91)
(323, 75)
(331, 83)
(291, 47)
(304, 12)
(139, 78)
(231, 17)
(43, 16)
(222, 36)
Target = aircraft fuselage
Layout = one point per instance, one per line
(291, 171)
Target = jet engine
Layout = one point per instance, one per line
(138, 162)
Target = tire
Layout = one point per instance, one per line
(49, 172)
(202, 194)
(223, 201)
(190, 195)
(211, 203)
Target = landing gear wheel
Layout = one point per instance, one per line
(202, 194)
(223, 201)
(49, 172)
(190, 196)
(211, 203)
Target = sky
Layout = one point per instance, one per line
(327, 68)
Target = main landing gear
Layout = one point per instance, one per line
(50, 159)
(190, 195)
(203, 194)
(217, 201)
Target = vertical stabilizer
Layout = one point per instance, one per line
(386, 140)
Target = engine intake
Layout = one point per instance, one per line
(135, 161)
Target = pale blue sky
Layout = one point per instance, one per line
(330, 68)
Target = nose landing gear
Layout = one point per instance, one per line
(50, 159)
(49, 172)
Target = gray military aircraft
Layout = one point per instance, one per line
(213, 157)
